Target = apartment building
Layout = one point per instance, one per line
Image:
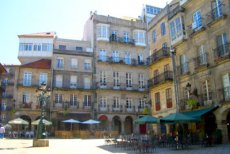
(120, 70)
(2, 89)
(8, 96)
(148, 12)
(30, 77)
(200, 35)
(72, 72)
(161, 87)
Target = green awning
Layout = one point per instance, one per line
(199, 113)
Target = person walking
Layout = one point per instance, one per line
(2, 132)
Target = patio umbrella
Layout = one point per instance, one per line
(71, 121)
(44, 121)
(91, 122)
(146, 119)
(18, 121)
(178, 118)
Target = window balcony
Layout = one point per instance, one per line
(157, 106)
(157, 56)
(201, 61)
(121, 86)
(161, 78)
(183, 69)
(169, 102)
(114, 38)
(117, 108)
(224, 94)
(68, 86)
(25, 105)
(217, 13)
(222, 52)
(121, 60)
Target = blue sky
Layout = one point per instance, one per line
(65, 17)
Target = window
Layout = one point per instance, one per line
(115, 56)
(197, 21)
(37, 47)
(80, 49)
(226, 85)
(163, 29)
(116, 102)
(27, 79)
(73, 81)
(87, 100)
(127, 58)
(58, 98)
(43, 78)
(103, 32)
(114, 36)
(141, 83)
(141, 103)
(216, 9)
(128, 104)
(206, 89)
(128, 80)
(140, 59)
(156, 76)
(74, 63)
(103, 78)
(154, 37)
(60, 62)
(59, 81)
(87, 83)
(25, 46)
(25, 98)
(139, 37)
(157, 101)
(202, 55)
(184, 64)
(102, 55)
(222, 45)
(62, 47)
(87, 64)
(164, 45)
(116, 79)
(168, 94)
(176, 29)
(126, 37)
(103, 102)
(47, 47)
(73, 100)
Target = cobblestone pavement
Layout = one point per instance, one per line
(92, 146)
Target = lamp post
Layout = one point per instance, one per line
(175, 81)
(43, 94)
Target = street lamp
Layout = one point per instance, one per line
(43, 94)
(175, 81)
(188, 88)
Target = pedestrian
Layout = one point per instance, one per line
(2, 132)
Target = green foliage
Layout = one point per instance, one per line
(65, 112)
(146, 111)
(192, 103)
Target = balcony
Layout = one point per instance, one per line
(26, 105)
(121, 86)
(217, 13)
(161, 78)
(160, 54)
(175, 11)
(205, 99)
(103, 108)
(120, 60)
(68, 86)
(114, 38)
(117, 108)
(224, 94)
(183, 69)
(5, 95)
(222, 52)
(201, 61)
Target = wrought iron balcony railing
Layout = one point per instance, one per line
(162, 53)
(115, 38)
(217, 13)
(201, 60)
(161, 78)
(222, 51)
(121, 86)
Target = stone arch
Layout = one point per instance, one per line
(116, 124)
(28, 119)
(128, 123)
(104, 122)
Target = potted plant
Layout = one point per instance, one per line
(192, 103)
